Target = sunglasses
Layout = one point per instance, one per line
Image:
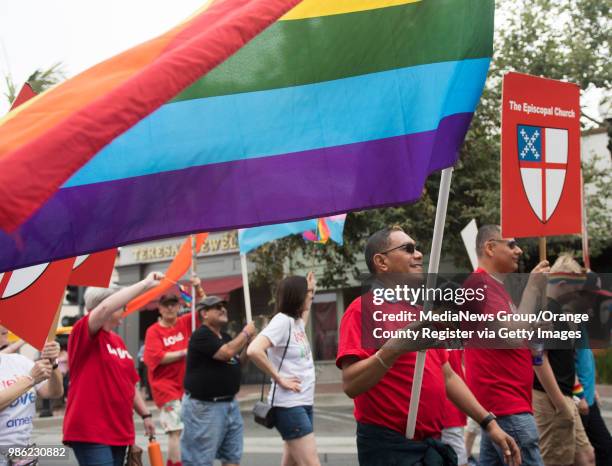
(217, 307)
(510, 243)
(410, 248)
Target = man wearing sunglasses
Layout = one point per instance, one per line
(213, 424)
(164, 355)
(502, 379)
(380, 381)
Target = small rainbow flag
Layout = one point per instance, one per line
(327, 228)
(184, 294)
(250, 113)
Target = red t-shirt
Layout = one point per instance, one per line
(166, 380)
(501, 379)
(386, 404)
(102, 388)
(452, 416)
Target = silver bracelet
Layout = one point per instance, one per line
(381, 361)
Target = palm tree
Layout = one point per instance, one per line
(11, 92)
(40, 80)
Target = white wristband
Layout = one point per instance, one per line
(381, 361)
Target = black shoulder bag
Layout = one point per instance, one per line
(262, 411)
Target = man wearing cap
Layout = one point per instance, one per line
(590, 414)
(563, 440)
(165, 350)
(213, 424)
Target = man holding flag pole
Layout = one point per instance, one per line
(165, 352)
(380, 381)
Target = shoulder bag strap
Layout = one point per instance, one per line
(279, 368)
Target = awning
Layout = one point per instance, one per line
(222, 286)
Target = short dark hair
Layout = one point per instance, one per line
(486, 233)
(378, 242)
(290, 296)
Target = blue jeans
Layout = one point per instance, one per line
(522, 428)
(294, 422)
(96, 454)
(212, 431)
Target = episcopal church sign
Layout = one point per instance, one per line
(540, 159)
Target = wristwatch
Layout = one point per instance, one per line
(55, 365)
(487, 420)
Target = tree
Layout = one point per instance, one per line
(11, 92)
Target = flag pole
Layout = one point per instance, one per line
(194, 255)
(434, 263)
(245, 287)
(542, 248)
(585, 233)
(53, 328)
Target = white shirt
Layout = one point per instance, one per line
(16, 419)
(297, 363)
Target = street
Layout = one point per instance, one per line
(334, 430)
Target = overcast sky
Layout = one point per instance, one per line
(80, 33)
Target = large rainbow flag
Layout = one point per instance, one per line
(337, 106)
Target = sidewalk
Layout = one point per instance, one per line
(326, 394)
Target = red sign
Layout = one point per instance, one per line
(25, 94)
(540, 157)
(29, 299)
(93, 269)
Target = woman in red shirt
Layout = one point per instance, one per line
(99, 424)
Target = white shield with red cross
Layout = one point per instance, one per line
(542, 154)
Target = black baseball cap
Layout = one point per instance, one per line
(168, 299)
(210, 302)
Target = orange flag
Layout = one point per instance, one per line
(176, 270)
(29, 299)
(93, 269)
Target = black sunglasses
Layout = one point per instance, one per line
(510, 243)
(410, 248)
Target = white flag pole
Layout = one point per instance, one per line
(434, 263)
(468, 235)
(194, 254)
(245, 287)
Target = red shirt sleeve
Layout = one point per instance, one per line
(349, 343)
(79, 343)
(154, 349)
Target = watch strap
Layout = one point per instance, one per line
(487, 420)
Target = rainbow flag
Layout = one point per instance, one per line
(337, 106)
(185, 294)
(251, 238)
(327, 228)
